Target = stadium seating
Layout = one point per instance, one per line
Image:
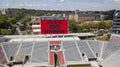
(2, 57)
(40, 53)
(111, 47)
(113, 61)
(51, 58)
(84, 48)
(37, 53)
(3, 39)
(61, 57)
(71, 52)
(10, 48)
(25, 48)
(96, 46)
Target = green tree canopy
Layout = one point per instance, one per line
(73, 27)
(101, 25)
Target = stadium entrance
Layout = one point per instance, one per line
(55, 45)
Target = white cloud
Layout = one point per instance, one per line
(5, 4)
(59, 4)
(62, 0)
(31, 5)
(117, 0)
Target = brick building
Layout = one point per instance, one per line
(82, 17)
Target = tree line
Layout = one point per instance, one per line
(8, 22)
(74, 27)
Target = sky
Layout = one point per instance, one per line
(82, 5)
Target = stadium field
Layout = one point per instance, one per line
(80, 65)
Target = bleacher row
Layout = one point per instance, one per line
(2, 57)
(73, 52)
(37, 52)
(51, 58)
(111, 52)
(102, 51)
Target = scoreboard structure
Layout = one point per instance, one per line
(54, 25)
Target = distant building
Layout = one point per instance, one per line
(116, 23)
(3, 11)
(81, 17)
(35, 24)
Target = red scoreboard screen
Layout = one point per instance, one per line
(54, 26)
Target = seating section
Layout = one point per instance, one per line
(71, 52)
(96, 46)
(11, 48)
(40, 53)
(84, 48)
(25, 48)
(51, 58)
(2, 57)
(37, 51)
(111, 47)
(3, 39)
(1, 52)
(113, 61)
(61, 57)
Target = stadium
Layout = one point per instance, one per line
(59, 50)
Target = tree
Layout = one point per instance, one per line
(101, 25)
(108, 24)
(3, 23)
(25, 20)
(85, 27)
(73, 27)
(109, 13)
(5, 32)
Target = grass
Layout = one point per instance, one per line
(80, 65)
(40, 66)
(57, 61)
(103, 38)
